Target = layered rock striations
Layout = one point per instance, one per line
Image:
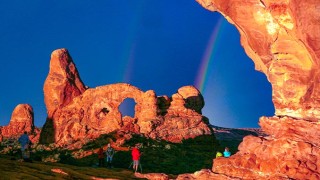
(22, 119)
(77, 114)
(63, 82)
(283, 39)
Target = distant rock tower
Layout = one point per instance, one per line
(62, 84)
(22, 119)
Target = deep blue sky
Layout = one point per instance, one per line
(150, 44)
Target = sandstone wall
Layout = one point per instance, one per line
(283, 39)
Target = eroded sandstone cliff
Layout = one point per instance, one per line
(283, 39)
(77, 114)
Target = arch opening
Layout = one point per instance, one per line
(127, 108)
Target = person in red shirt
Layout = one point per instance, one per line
(101, 157)
(135, 157)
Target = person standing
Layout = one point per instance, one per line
(135, 157)
(219, 154)
(109, 155)
(226, 152)
(24, 142)
(101, 157)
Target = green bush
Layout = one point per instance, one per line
(171, 158)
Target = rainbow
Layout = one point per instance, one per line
(128, 56)
(128, 65)
(208, 56)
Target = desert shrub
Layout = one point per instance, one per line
(101, 140)
(157, 155)
(186, 157)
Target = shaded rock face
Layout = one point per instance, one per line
(283, 39)
(79, 114)
(193, 99)
(22, 120)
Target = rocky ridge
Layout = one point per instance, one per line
(223, 134)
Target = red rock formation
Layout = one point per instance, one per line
(96, 112)
(76, 114)
(192, 97)
(183, 117)
(63, 82)
(21, 120)
(283, 39)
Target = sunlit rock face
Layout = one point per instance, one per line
(283, 39)
(22, 120)
(63, 82)
(77, 114)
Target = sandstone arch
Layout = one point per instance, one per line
(98, 109)
(77, 113)
(283, 39)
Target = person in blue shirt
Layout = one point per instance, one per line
(226, 152)
(109, 155)
(24, 142)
